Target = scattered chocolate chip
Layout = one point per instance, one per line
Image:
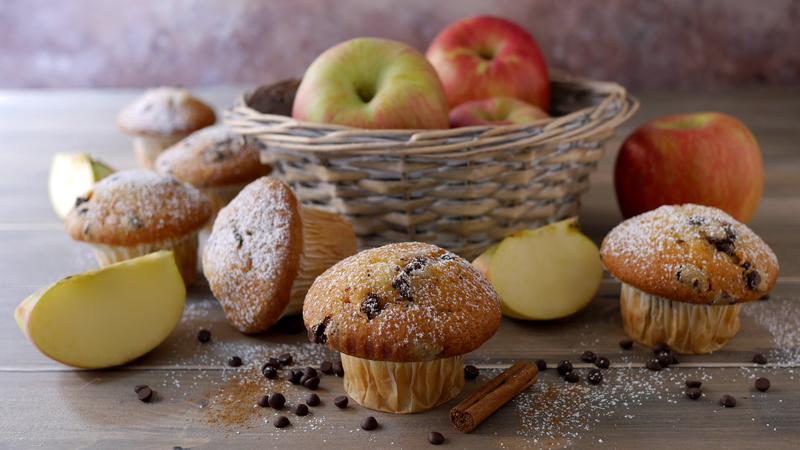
(752, 279)
(310, 372)
(263, 401)
(272, 362)
(694, 393)
(696, 220)
(416, 264)
(269, 372)
(692, 276)
(203, 336)
(143, 393)
(693, 383)
(653, 365)
(758, 358)
(436, 438)
(626, 344)
(762, 384)
(281, 422)
(371, 306)
(317, 332)
(564, 367)
(312, 399)
(238, 237)
(285, 359)
(80, 200)
(674, 360)
(402, 285)
(295, 375)
(595, 376)
(588, 356)
(135, 222)
(311, 383)
(83, 210)
(277, 400)
(470, 372)
(602, 362)
(369, 423)
(727, 401)
(338, 369)
(541, 364)
(301, 409)
(340, 402)
(664, 358)
(571, 377)
(326, 367)
(447, 257)
(661, 347)
(234, 361)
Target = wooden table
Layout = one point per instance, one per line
(45, 404)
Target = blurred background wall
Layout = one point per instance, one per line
(645, 44)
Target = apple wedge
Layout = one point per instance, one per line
(72, 175)
(543, 274)
(106, 317)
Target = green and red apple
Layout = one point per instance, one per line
(71, 176)
(495, 111)
(705, 158)
(484, 57)
(372, 83)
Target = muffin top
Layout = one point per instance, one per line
(165, 111)
(213, 156)
(137, 206)
(402, 302)
(253, 254)
(690, 253)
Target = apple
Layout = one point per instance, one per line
(543, 274)
(484, 57)
(372, 83)
(71, 176)
(106, 317)
(495, 111)
(705, 158)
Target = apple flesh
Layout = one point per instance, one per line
(106, 317)
(71, 176)
(484, 57)
(709, 159)
(495, 111)
(372, 83)
(543, 274)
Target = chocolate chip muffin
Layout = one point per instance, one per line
(136, 212)
(265, 250)
(402, 315)
(215, 160)
(685, 271)
(161, 117)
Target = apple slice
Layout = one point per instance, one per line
(72, 175)
(543, 274)
(106, 317)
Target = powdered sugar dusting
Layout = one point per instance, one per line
(166, 111)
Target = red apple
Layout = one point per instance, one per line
(705, 158)
(372, 83)
(486, 57)
(495, 111)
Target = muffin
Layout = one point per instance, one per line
(160, 118)
(685, 272)
(402, 316)
(136, 212)
(215, 160)
(265, 250)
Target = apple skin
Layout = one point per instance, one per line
(372, 83)
(705, 158)
(495, 111)
(483, 57)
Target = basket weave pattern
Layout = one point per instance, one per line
(463, 188)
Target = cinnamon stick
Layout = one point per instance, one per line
(473, 410)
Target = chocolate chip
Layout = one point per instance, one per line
(369, 423)
(752, 279)
(564, 367)
(143, 393)
(311, 383)
(263, 401)
(326, 367)
(402, 285)
(696, 220)
(281, 422)
(588, 356)
(340, 402)
(371, 306)
(301, 409)
(602, 362)
(470, 372)
(310, 371)
(758, 358)
(312, 399)
(83, 210)
(295, 375)
(135, 222)
(238, 237)
(436, 438)
(203, 336)
(762, 384)
(541, 364)
(664, 358)
(693, 383)
(727, 401)
(277, 400)
(653, 365)
(338, 369)
(595, 376)
(234, 361)
(285, 359)
(269, 372)
(572, 377)
(661, 347)
(694, 393)
(692, 276)
(80, 200)
(317, 332)
(626, 344)
(447, 257)
(416, 264)
(272, 362)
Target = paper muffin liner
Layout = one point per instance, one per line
(327, 239)
(402, 387)
(184, 248)
(685, 327)
(147, 149)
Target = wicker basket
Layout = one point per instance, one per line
(462, 189)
